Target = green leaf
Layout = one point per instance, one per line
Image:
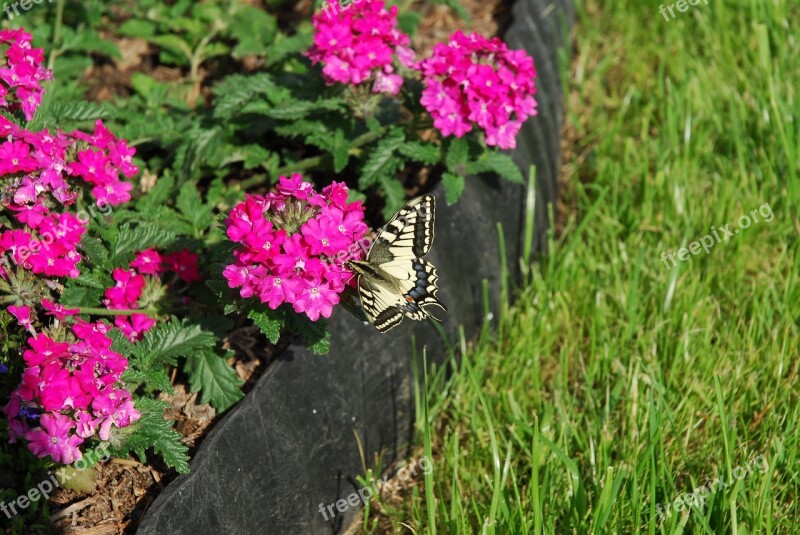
(315, 333)
(427, 153)
(61, 112)
(268, 322)
(95, 251)
(500, 163)
(457, 155)
(238, 90)
(172, 339)
(191, 206)
(382, 160)
(138, 28)
(284, 46)
(174, 45)
(80, 296)
(409, 22)
(453, 187)
(255, 29)
(87, 40)
(212, 376)
(340, 151)
(395, 195)
(158, 195)
(153, 431)
(144, 236)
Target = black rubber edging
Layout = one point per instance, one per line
(290, 444)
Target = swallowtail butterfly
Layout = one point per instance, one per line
(394, 281)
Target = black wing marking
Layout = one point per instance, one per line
(408, 235)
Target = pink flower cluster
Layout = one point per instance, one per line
(359, 44)
(472, 79)
(72, 389)
(295, 246)
(131, 282)
(21, 73)
(43, 173)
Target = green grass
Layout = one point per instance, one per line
(614, 384)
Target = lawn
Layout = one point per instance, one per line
(634, 386)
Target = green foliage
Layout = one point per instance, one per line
(230, 104)
(152, 431)
(211, 374)
(268, 321)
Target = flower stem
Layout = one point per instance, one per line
(59, 23)
(117, 312)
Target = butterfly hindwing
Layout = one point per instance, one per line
(393, 280)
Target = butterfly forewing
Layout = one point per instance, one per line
(394, 281)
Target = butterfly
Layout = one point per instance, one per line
(394, 281)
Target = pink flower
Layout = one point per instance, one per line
(127, 290)
(304, 264)
(148, 262)
(315, 297)
(360, 43)
(53, 438)
(134, 328)
(44, 349)
(59, 311)
(21, 73)
(23, 315)
(474, 80)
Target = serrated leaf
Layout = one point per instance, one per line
(500, 163)
(284, 46)
(144, 236)
(212, 376)
(61, 112)
(153, 431)
(236, 91)
(80, 296)
(95, 251)
(255, 29)
(453, 187)
(427, 153)
(174, 338)
(382, 160)
(268, 323)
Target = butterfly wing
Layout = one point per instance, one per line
(379, 304)
(394, 281)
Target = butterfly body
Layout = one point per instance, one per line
(394, 281)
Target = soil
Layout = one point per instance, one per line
(125, 487)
